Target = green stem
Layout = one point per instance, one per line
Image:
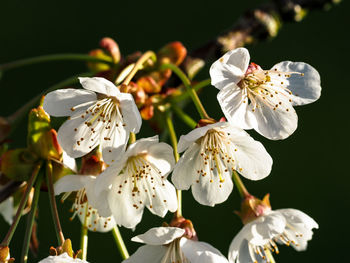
(120, 243)
(17, 116)
(56, 220)
(30, 183)
(54, 57)
(139, 64)
(30, 220)
(243, 192)
(196, 88)
(84, 235)
(183, 116)
(173, 139)
(190, 90)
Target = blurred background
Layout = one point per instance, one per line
(311, 167)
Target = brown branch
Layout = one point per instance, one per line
(256, 25)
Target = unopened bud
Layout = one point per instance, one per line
(97, 66)
(111, 47)
(5, 255)
(252, 207)
(42, 139)
(186, 225)
(173, 52)
(92, 163)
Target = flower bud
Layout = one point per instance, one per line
(252, 208)
(5, 255)
(92, 163)
(173, 52)
(42, 140)
(18, 164)
(111, 47)
(185, 224)
(96, 66)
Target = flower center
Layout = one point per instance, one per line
(265, 251)
(81, 207)
(145, 180)
(216, 155)
(266, 88)
(174, 253)
(102, 117)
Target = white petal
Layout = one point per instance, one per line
(98, 202)
(131, 114)
(94, 221)
(251, 158)
(105, 180)
(122, 205)
(299, 227)
(184, 174)
(159, 235)
(230, 68)
(274, 124)
(72, 131)
(265, 228)
(141, 146)
(70, 183)
(165, 198)
(187, 140)
(234, 104)
(63, 258)
(306, 88)
(7, 210)
(147, 254)
(69, 162)
(99, 85)
(235, 249)
(247, 255)
(201, 252)
(113, 149)
(294, 216)
(60, 102)
(162, 156)
(210, 191)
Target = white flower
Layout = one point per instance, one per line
(99, 114)
(63, 258)
(257, 239)
(85, 202)
(213, 152)
(138, 180)
(166, 245)
(251, 97)
(6, 209)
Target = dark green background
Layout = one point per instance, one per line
(311, 168)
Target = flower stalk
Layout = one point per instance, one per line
(195, 87)
(84, 236)
(56, 220)
(183, 116)
(30, 183)
(173, 139)
(243, 192)
(54, 57)
(190, 90)
(138, 65)
(120, 243)
(30, 220)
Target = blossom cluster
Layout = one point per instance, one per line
(132, 175)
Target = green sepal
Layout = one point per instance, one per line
(18, 164)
